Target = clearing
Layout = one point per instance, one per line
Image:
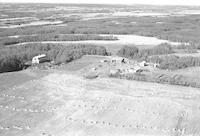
(101, 106)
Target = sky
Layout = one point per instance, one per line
(149, 2)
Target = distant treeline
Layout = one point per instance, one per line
(159, 54)
(54, 37)
(173, 28)
(173, 62)
(187, 48)
(160, 78)
(133, 52)
(14, 58)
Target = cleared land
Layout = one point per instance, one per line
(101, 106)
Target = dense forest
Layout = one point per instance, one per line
(174, 62)
(133, 52)
(14, 58)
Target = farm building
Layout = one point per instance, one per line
(119, 60)
(136, 68)
(155, 65)
(39, 59)
(143, 64)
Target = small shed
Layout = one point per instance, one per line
(143, 64)
(39, 59)
(155, 65)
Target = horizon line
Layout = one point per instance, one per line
(99, 4)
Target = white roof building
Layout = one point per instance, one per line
(36, 59)
(142, 64)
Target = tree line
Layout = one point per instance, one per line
(159, 54)
(160, 78)
(14, 58)
(133, 52)
(174, 62)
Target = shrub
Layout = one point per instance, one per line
(157, 50)
(161, 78)
(173, 62)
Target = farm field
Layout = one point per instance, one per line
(104, 105)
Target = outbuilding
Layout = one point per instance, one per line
(119, 60)
(137, 68)
(143, 64)
(39, 59)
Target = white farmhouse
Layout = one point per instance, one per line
(38, 59)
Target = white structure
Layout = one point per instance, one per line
(143, 63)
(94, 69)
(136, 68)
(113, 72)
(37, 59)
(155, 65)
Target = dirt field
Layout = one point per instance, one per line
(63, 104)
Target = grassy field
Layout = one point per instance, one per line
(80, 106)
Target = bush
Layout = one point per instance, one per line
(160, 78)
(173, 62)
(134, 53)
(128, 51)
(92, 76)
(157, 50)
